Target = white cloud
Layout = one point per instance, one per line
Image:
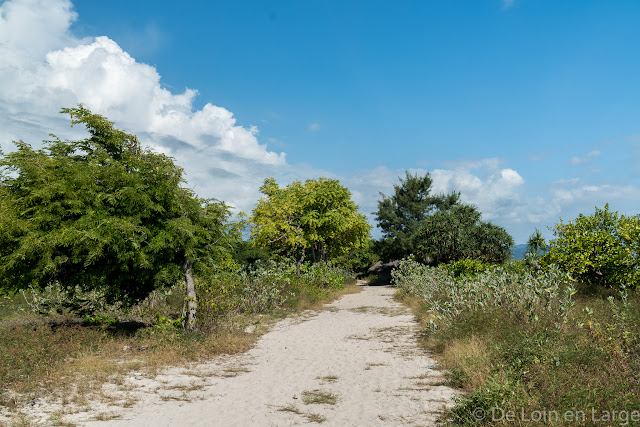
(575, 161)
(44, 68)
(314, 127)
(501, 194)
(494, 190)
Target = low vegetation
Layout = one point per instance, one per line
(109, 263)
(47, 350)
(529, 344)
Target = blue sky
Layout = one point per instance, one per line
(529, 108)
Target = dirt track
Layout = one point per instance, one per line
(358, 356)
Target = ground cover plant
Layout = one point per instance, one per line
(529, 341)
(46, 349)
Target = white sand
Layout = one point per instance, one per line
(362, 349)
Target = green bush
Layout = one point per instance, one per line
(267, 286)
(466, 267)
(599, 250)
(543, 345)
(523, 295)
(56, 299)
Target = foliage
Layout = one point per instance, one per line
(522, 295)
(245, 253)
(600, 249)
(523, 341)
(55, 299)
(317, 217)
(101, 213)
(267, 286)
(361, 259)
(437, 229)
(458, 233)
(400, 215)
(466, 267)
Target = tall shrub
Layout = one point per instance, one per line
(599, 250)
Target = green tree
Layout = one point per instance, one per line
(103, 213)
(317, 218)
(600, 249)
(457, 234)
(400, 215)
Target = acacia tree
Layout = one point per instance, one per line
(317, 217)
(103, 213)
(400, 215)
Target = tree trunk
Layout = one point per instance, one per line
(299, 263)
(191, 302)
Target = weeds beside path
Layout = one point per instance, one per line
(355, 362)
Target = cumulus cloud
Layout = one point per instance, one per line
(483, 183)
(502, 194)
(575, 161)
(493, 189)
(44, 67)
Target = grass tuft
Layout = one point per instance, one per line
(311, 397)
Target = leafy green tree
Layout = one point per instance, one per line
(317, 218)
(103, 213)
(400, 215)
(492, 243)
(457, 234)
(600, 249)
(245, 253)
(361, 259)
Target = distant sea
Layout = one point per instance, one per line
(519, 251)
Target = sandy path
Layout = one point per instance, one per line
(361, 349)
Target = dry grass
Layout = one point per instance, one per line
(315, 418)
(290, 408)
(69, 363)
(338, 293)
(311, 417)
(328, 379)
(185, 388)
(106, 416)
(471, 357)
(319, 397)
(371, 364)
